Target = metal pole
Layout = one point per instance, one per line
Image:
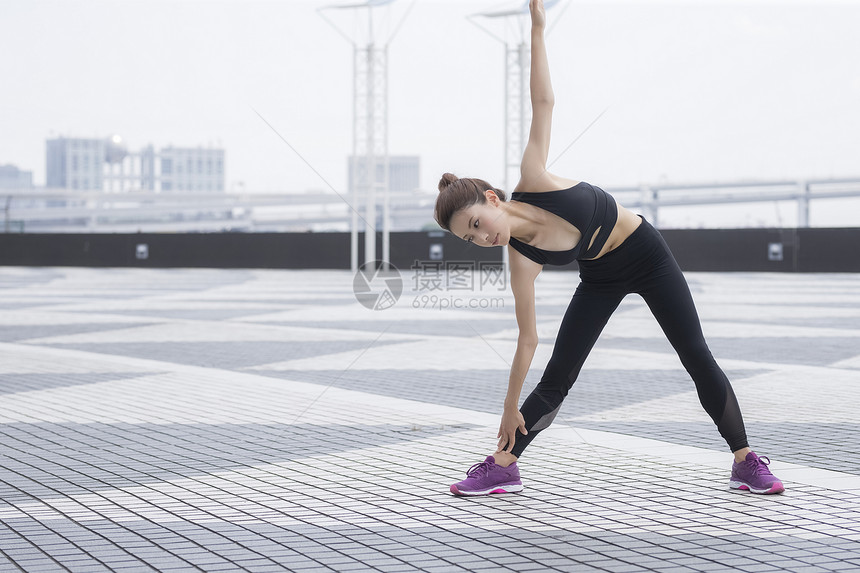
(506, 150)
(646, 197)
(803, 198)
(386, 223)
(7, 209)
(370, 209)
(655, 200)
(353, 228)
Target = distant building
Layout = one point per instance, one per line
(107, 165)
(13, 178)
(184, 169)
(74, 163)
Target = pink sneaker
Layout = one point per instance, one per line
(753, 475)
(488, 477)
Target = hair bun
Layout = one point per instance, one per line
(447, 179)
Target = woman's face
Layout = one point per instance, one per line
(484, 225)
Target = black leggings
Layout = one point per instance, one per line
(642, 264)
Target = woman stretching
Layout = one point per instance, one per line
(553, 220)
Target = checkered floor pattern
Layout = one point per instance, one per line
(251, 420)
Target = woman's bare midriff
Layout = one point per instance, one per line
(627, 222)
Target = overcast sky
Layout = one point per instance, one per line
(695, 91)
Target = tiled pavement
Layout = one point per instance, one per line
(224, 420)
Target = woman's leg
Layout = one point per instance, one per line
(586, 315)
(668, 296)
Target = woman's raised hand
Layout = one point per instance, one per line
(538, 13)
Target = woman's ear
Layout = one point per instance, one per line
(491, 196)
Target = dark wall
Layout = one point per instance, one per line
(733, 249)
(798, 250)
(219, 250)
(829, 250)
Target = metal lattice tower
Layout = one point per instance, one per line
(370, 147)
(369, 165)
(518, 111)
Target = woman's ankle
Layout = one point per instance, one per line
(504, 459)
(741, 455)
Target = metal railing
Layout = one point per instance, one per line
(651, 198)
(63, 211)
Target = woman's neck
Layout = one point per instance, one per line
(523, 221)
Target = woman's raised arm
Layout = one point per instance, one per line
(537, 149)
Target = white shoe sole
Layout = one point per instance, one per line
(776, 487)
(509, 488)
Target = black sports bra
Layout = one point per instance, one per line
(584, 206)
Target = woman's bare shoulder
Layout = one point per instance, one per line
(545, 181)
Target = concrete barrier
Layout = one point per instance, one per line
(779, 250)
